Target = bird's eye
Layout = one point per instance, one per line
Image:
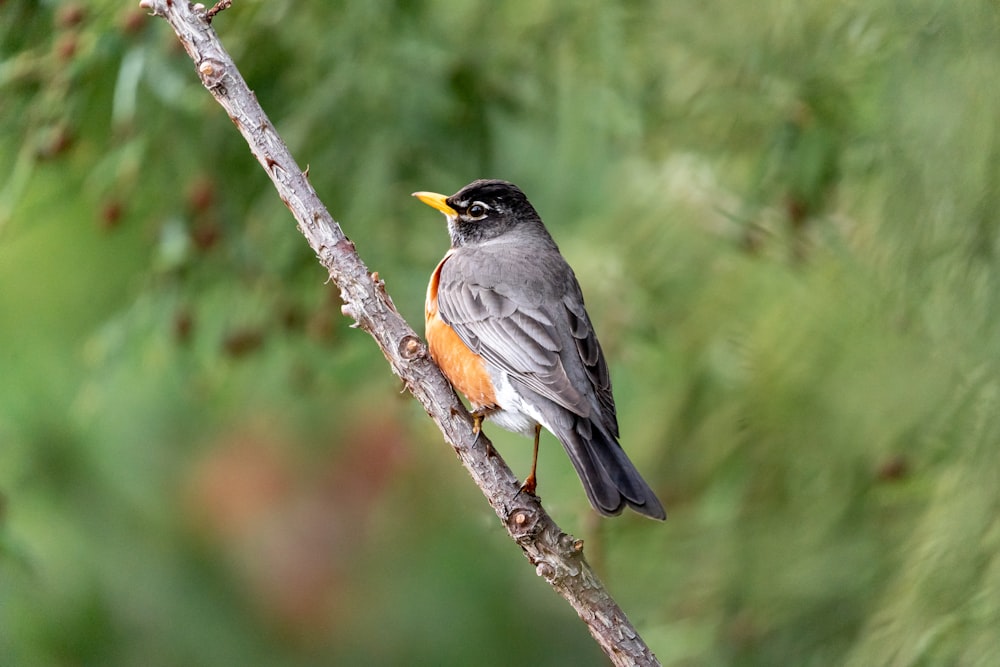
(477, 210)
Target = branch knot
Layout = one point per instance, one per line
(523, 525)
(411, 348)
(211, 72)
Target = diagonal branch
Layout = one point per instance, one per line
(557, 557)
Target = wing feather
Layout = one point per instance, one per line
(551, 350)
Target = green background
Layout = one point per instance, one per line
(784, 218)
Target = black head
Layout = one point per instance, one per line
(485, 210)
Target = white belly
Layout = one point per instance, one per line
(514, 413)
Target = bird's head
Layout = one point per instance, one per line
(484, 210)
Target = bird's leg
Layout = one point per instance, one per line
(477, 421)
(478, 415)
(530, 481)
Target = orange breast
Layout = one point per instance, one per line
(464, 369)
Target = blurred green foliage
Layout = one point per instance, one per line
(784, 216)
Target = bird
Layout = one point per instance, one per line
(506, 323)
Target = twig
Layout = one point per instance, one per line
(557, 557)
(220, 6)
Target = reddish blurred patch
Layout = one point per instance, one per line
(237, 483)
(205, 235)
(70, 15)
(295, 530)
(183, 325)
(242, 342)
(66, 46)
(111, 214)
(201, 194)
(893, 469)
(55, 142)
(133, 21)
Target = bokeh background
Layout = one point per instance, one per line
(784, 217)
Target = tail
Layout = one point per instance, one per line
(608, 476)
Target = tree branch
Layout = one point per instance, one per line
(557, 557)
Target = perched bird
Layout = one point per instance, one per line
(506, 323)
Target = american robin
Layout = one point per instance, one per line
(506, 323)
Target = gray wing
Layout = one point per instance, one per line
(542, 339)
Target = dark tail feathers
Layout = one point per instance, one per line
(608, 476)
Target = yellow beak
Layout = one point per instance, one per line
(434, 200)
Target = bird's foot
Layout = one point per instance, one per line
(529, 485)
(478, 415)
